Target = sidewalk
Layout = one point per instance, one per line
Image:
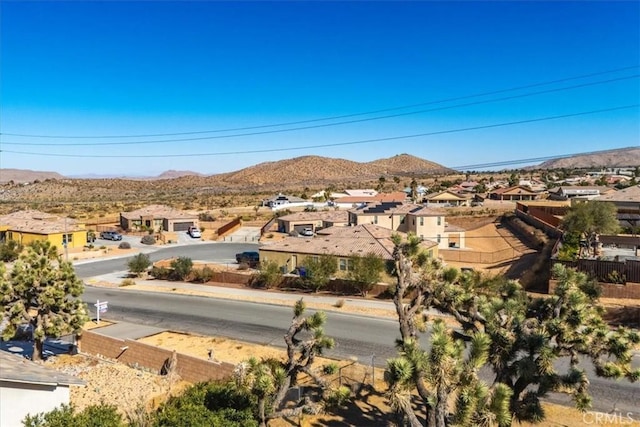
(327, 302)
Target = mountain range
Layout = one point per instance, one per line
(317, 170)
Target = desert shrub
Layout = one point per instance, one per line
(182, 267)
(139, 264)
(161, 273)
(338, 398)
(10, 250)
(330, 368)
(148, 240)
(208, 404)
(124, 245)
(206, 216)
(243, 266)
(339, 303)
(202, 275)
(269, 275)
(92, 416)
(127, 282)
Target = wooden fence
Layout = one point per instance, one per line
(230, 227)
(607, 271)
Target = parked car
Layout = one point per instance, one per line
(194, 232)
(110, 235)
(307, 231)
(249, 257)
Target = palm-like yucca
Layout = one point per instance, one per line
(269, 380)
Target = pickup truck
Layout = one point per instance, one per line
(249, 257)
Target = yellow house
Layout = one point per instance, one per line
(28, 226)
(344, 243)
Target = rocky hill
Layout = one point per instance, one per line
(25, 175)
(611, 158)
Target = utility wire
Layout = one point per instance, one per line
(348, 115)
(338, 144)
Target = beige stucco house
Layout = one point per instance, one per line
(426, 223)
(342, 242)
(315, 220)
(450, 198)
(158, 218)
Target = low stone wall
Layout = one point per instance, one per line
(134, 353)
(610, 290)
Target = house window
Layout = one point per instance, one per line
(421, 220)
(10, 235)
(438, 238)
(67, 238)
(439, 220)
(402, 219)
(315, 258)
(375, 219)
(345, 264)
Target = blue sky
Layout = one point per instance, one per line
(123, 69)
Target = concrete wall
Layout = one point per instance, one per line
(20, 399)
(189, 368)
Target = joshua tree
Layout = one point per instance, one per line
(44, 292)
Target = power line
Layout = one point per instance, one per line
(316, 126)
(355, 114)
(339, 144)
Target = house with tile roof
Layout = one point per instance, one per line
(425, 222)
(28, 226)
(515, 193)
(158, 218)
(317, 220)
(349, 202)
(342, 242)
(30, 388)
(449, 198)
(581, 192)
(627, 203)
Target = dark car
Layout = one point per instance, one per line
(249, 257)
(110, 235)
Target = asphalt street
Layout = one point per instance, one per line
(365, 338)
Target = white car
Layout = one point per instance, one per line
(194, 232)
(307, 231)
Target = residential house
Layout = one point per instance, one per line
(627, 203)
(158, 218)
(448, 198)
(355, 201)
(281, 200)
(580, 192)
(342, 242)
(421, 191)
(29, 388)
(426, 223)
(30, 225)
(317, 220)
(514, 193)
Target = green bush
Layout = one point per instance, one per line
(10, 250)
(160, 273)
(139, 264)
(182, 267)
(269, 276)
(203, 275)
(208, 404)
(92, 416)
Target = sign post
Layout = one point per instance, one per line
(101, 307)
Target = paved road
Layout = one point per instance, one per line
(265, 324)
(215, 252)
